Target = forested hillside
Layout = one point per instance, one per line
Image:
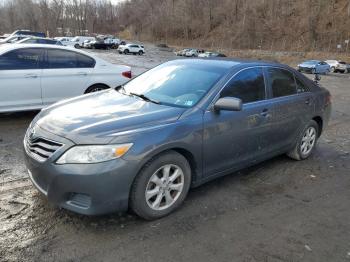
(301, 25)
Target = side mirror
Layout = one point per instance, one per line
(228, 104)
(317, 78)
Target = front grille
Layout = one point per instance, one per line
(41, 148)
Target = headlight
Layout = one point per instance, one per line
(93, 154)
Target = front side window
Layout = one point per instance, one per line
(247, 85)
(21, 59)
(67, 59)
(282, 82)
(177, 84)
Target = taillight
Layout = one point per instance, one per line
(127, 74)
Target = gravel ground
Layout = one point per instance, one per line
(279, 210)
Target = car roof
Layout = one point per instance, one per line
(313, 61)
(9, 47)
(229, 62)
(36, 37)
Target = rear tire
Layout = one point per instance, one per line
(96, 88)
(161, 186)
(306, 142)
(77, 46)
(332, 69)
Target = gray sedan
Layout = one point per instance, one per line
(143, 145)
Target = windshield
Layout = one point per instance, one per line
(176, 84)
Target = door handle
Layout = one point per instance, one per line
(308, 101)
(82, 74)
(31, 76)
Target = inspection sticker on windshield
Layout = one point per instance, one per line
(189, 103)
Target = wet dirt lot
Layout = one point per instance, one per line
(279, 210)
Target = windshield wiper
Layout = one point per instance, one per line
(143, 97)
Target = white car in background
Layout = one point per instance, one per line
(64, 40)
(337, 66)
(78, 41)
(33, 76)
(131, 49)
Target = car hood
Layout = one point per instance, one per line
(97, 118)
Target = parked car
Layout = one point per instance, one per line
(65, 40)
(106, 43)
(28, 33)
(88, 43)
(314, 67)
(348, 67)
(12, 39)
(194, 52)
(211, 54)
(39, 40)
(33, 76)
(78, 41)
(337, 66)
(182, 52)
(131, 49)
(143, 145)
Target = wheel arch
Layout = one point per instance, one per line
(186, 153)
(319, 122)
(96, 84)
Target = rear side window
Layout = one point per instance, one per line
(84, 61)
(282, 82)
(247, 85)
(68, 59)
(21, 59)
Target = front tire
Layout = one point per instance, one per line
(140, 52)
(126, 51)
(161, 186)
(306, 142)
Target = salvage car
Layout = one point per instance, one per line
(211, 54)
(143, 144)
(33, 76)
(314, 67)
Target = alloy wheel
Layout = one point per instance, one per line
(164, 187)
(308, 141)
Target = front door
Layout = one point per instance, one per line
(20, 79)
(233, 139)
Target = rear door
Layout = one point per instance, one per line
(66, 74)
(20, 79)
(238, 138)
(293, 106)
